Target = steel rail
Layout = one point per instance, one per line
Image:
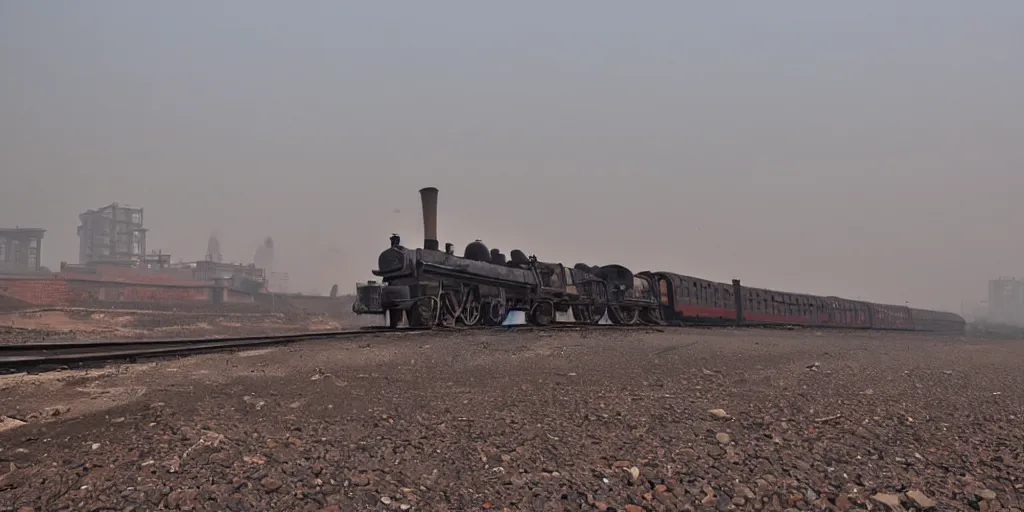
(62, 345)
(15, 356)
(42, 354)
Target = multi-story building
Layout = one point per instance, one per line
(1006, 300)
(207, 270)
(277, 282)
(20, 250)
(112, 233)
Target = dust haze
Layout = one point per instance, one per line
(869, 150)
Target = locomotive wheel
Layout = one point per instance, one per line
(542, 314)
(449, 308)
(423, 313)
(588, 315)
(494, 312)
(624, 315)
(472, 309)
(652, 316)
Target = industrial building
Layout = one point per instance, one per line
(113, 233)
(1006, 300)
(20, 250)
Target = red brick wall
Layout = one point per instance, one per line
(138, 276)
(143, 293)
(37, 291)
(81, 292)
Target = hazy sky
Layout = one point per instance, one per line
(864, 149)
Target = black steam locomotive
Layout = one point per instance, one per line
(431, 287)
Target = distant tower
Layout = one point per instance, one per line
(213, 249)
(264, 257)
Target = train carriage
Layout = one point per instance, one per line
(926, 320)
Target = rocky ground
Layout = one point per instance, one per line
(684, 419)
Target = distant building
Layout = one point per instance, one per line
(207, 270)
(277, 282)
(113, 233)
(20, 250)
(156, 260)
(213, 249)
(249, 278)
(1006, 300)
(264, 257)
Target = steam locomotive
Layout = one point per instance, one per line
(432, 287)
(429, 287)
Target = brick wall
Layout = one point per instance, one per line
(87, 292)
(36, 291)
(135, 275)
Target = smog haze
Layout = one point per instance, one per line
(868, 150)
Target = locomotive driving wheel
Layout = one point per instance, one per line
(624, 315)
(652, 316)
(494, 311)
(542, 313)
(450, 308)
(588, 314)
(472, 309)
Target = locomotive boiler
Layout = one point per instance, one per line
(429, 286)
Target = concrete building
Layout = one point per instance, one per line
(1006, 300)
(20, 250)
(156, 260)
(112, 233)
(208, 270)
(277, 282)
(248, 278)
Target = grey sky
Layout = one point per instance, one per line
(863, 149)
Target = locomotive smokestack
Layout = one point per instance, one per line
(429, 197)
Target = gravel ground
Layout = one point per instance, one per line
(680, 419)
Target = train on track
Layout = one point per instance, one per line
(434, 287)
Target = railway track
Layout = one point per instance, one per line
(41, 355)
(20, 357)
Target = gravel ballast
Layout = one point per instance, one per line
(671, 419)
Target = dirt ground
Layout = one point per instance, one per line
(87, 324)
(679, 419)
